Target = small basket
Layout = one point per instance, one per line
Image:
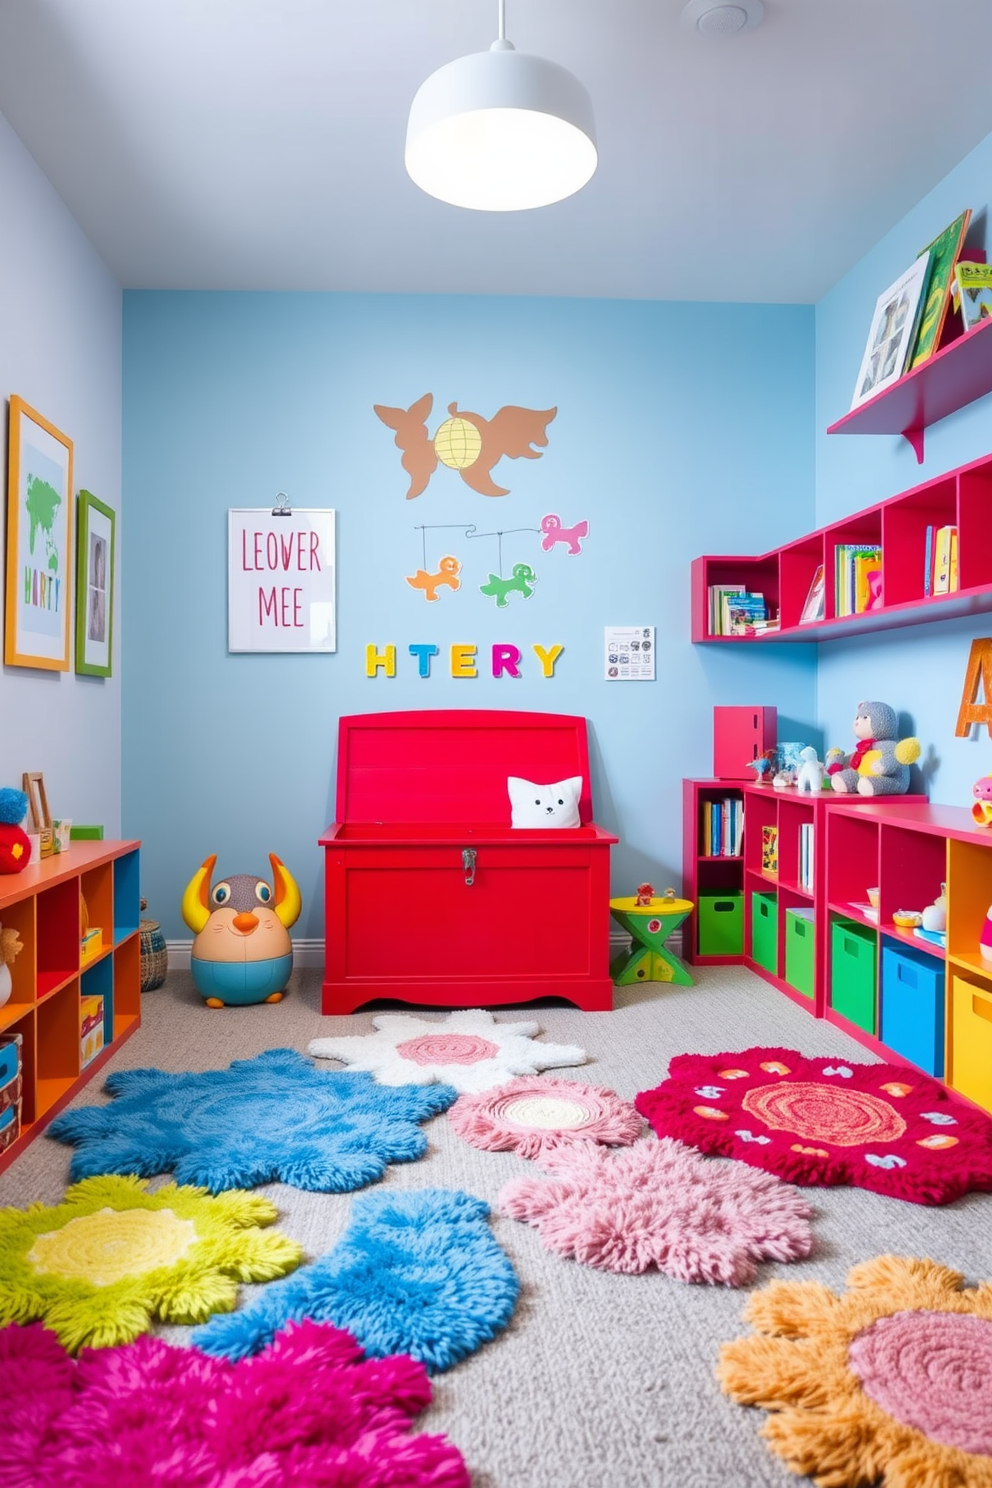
(154, 953)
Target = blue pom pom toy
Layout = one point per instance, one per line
(13, 805)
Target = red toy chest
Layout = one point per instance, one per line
(431, 896)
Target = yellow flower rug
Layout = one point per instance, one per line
(112, 1258)
(887, 1384)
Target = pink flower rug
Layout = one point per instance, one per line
(661, 1204)
(308, 1411)
(883, 1127)
(533, 1116)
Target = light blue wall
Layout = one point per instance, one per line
(681, 429)
(920, 671)
(60, 350)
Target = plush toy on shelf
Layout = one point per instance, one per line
(879, 765)
(242, 952)
(982, 808)
(15, 848)
(809, 781)
(10, 944)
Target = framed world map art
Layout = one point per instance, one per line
(39, 542)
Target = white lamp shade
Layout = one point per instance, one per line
(501, 131)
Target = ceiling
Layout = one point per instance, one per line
(258, 144)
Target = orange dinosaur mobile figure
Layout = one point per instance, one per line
(465, 441)
(448, 570)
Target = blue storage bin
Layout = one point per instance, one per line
(913, 1006)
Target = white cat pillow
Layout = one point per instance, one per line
(544, 805)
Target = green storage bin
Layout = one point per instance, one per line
(852, 972)
(721, 924)
(764, 931)
(800, 945)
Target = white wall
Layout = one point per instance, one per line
(60, 350)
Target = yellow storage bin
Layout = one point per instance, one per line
(971, 1040)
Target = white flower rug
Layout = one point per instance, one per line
(468, 1050)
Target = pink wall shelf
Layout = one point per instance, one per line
(961, 498)
(953, 377)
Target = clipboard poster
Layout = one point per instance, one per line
(280, 579)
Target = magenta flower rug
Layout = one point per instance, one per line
(309, 1411)
(883, 1127)
(534, 1115)
(887, 1383)
(661, 1204)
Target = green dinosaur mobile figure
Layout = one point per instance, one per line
(521, 582)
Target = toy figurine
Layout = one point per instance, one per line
(15, 849)
(809, 780)
(242, 952)
(645, 893)
(762, 766)
(935, 915)
(982, 809)
(879, 765)
(10, 945)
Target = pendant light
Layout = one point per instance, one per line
(501, 131)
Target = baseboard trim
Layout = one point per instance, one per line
(310, 953)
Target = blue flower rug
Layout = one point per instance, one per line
(415, 1273)
(275, 1118)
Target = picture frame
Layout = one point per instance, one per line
(281, 579)
(943, 254)
(39, 816)
(892, 333)
(95, 569)
(39, 570)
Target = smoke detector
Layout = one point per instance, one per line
(722, 17)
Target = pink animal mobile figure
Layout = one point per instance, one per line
(645, 893)
(554, 532)
(982, 809)
(448, 570)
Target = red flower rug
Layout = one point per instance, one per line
(883, 1127)
(309, 1410)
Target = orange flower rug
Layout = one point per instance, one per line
(886, 1384)
(884, 1127)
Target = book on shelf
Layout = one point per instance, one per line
(945, 560)
(813, 608)
(769, 850)
(735, 611)
(722, 828)
(973, 292)
(806, 856)
(928, 563)
(866, 910)
(932, 937)
(857, 578)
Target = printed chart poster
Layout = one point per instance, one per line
(630, 653)
(280, 580)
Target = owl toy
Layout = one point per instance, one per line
(242, 952)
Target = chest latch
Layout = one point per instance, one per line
(468, 863)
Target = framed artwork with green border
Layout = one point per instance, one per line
(943, 253)
(94, 586)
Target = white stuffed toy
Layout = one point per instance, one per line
(809, 781)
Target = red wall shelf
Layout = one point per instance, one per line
(961, 498)
(953, 377)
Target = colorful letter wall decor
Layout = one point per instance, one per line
(505, 659)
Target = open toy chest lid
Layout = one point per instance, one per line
(450, 765)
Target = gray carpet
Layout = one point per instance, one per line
(600, 1379)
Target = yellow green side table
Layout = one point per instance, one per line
(649, 926)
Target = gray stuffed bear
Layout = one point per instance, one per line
(879, 766)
